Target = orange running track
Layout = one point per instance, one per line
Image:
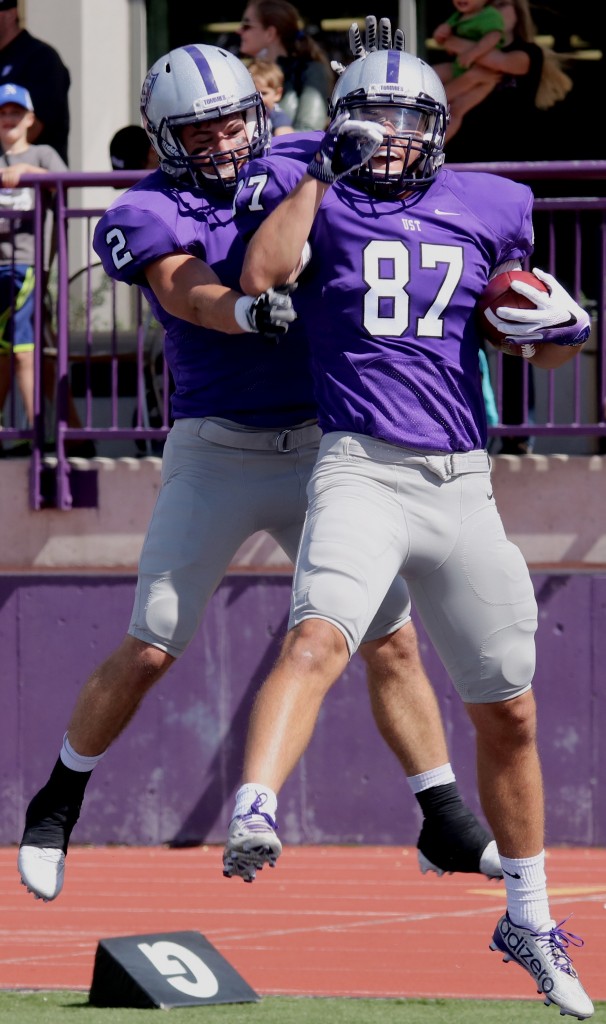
(327, 921)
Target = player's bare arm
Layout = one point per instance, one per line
(276, 249)
(273, 255)
(188, 288)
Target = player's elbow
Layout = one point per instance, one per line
(253, 281)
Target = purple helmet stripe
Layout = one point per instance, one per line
(203, 67)
(393, 65)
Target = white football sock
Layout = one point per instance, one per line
(251, 792)
(440, 776)
(526, 887)
(77, 762)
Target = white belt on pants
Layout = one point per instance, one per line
(447, 466)
(260, 440)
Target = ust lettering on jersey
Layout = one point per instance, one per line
(401, 275)
(399, 375)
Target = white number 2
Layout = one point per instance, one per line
(120, 254)
(387, 274)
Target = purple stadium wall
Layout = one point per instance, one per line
(171, 776)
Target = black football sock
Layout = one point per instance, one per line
(451, 838)
(55, 809)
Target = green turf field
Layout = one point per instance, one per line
(62, 1007)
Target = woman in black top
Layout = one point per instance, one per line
(514, 84)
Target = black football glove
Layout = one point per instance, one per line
(347, 144)
(375, 39)
(270, 313)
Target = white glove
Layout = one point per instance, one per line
(346, 145)
(557, 319)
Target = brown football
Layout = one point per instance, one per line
(498, 292)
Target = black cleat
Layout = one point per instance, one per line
(452, 839)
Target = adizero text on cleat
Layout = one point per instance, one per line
(543, 953)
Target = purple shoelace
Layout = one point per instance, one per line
(558, 941)
(255, 809)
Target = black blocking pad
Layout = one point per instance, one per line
(164, 970)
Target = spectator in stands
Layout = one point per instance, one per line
(271, 30)
(508, 123)
(32, 63)
(512, 84)
(131, 150)
(18, 157)
(479, 24)
(269, 80)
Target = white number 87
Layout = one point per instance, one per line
(387, 273)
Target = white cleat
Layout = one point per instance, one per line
(251, 843)
(543, 954)
(42, 869)
(490, 863)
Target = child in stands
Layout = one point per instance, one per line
(18, 157)
(269, 80)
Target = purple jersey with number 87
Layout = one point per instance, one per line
(387, 302)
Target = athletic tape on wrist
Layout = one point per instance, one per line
(241, 311)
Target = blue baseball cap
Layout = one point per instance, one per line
(10, 93)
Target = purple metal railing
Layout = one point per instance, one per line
(571, 236)
(10, 417)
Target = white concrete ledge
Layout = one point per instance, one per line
(552, 507)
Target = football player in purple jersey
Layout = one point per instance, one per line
(397, 251)
(237, 459)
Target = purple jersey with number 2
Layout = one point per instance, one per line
(387, 302)
(243, 377)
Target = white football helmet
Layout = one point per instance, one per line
(401, 91)
(200, 83)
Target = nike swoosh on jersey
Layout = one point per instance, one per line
(446, 213)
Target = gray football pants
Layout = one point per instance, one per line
(376, 511)
(213, 497)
